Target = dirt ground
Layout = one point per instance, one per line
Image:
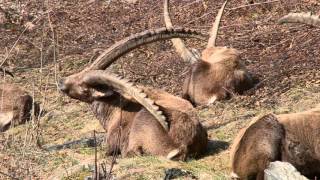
(42, 41)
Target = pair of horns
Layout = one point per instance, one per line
(97, 76)
(179, 45)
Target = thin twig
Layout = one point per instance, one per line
(114, 156)
(54, 52)
(249, 5)
(95, 157)
(195, 19)
(189, 4)
(232, 9)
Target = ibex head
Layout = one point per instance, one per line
(82, 87)
(78, 86)
(93, 84)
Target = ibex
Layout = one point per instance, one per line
(135, 124)
(15, 105)
(293, 138)
(219, 72)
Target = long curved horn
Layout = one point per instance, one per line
(6, 71)
(124, 86)
(215, 27)
(124, 46)
(178, 44)
(305, 18)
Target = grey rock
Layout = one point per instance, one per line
(282, 171)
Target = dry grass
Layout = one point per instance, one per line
(73, 121)
(289, 69)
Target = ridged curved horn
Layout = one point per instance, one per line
(6, 71)
(127, 44)
(124, 86)
(178, 44)
(215, 27)
(305, 18)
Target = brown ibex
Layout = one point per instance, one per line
(294, 138)
(15, 105)
(134, 123)
(217, 74)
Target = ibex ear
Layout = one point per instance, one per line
(100, 88)
(97, 87)
(97, 94)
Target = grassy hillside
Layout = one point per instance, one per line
(62, 37)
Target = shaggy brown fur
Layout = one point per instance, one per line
(139, 131)
(255, 147)
(125, 112)
(301, 143)
(293, 138)
(217, 75)
(15, 106)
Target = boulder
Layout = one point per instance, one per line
(282, 171)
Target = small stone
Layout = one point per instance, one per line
(30, 26)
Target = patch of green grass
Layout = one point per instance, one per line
(79, 175)
(85, 150)
(221, 135)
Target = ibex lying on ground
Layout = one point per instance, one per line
(134, 123)
(217, 74)
(293, 138)
(15, 106)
